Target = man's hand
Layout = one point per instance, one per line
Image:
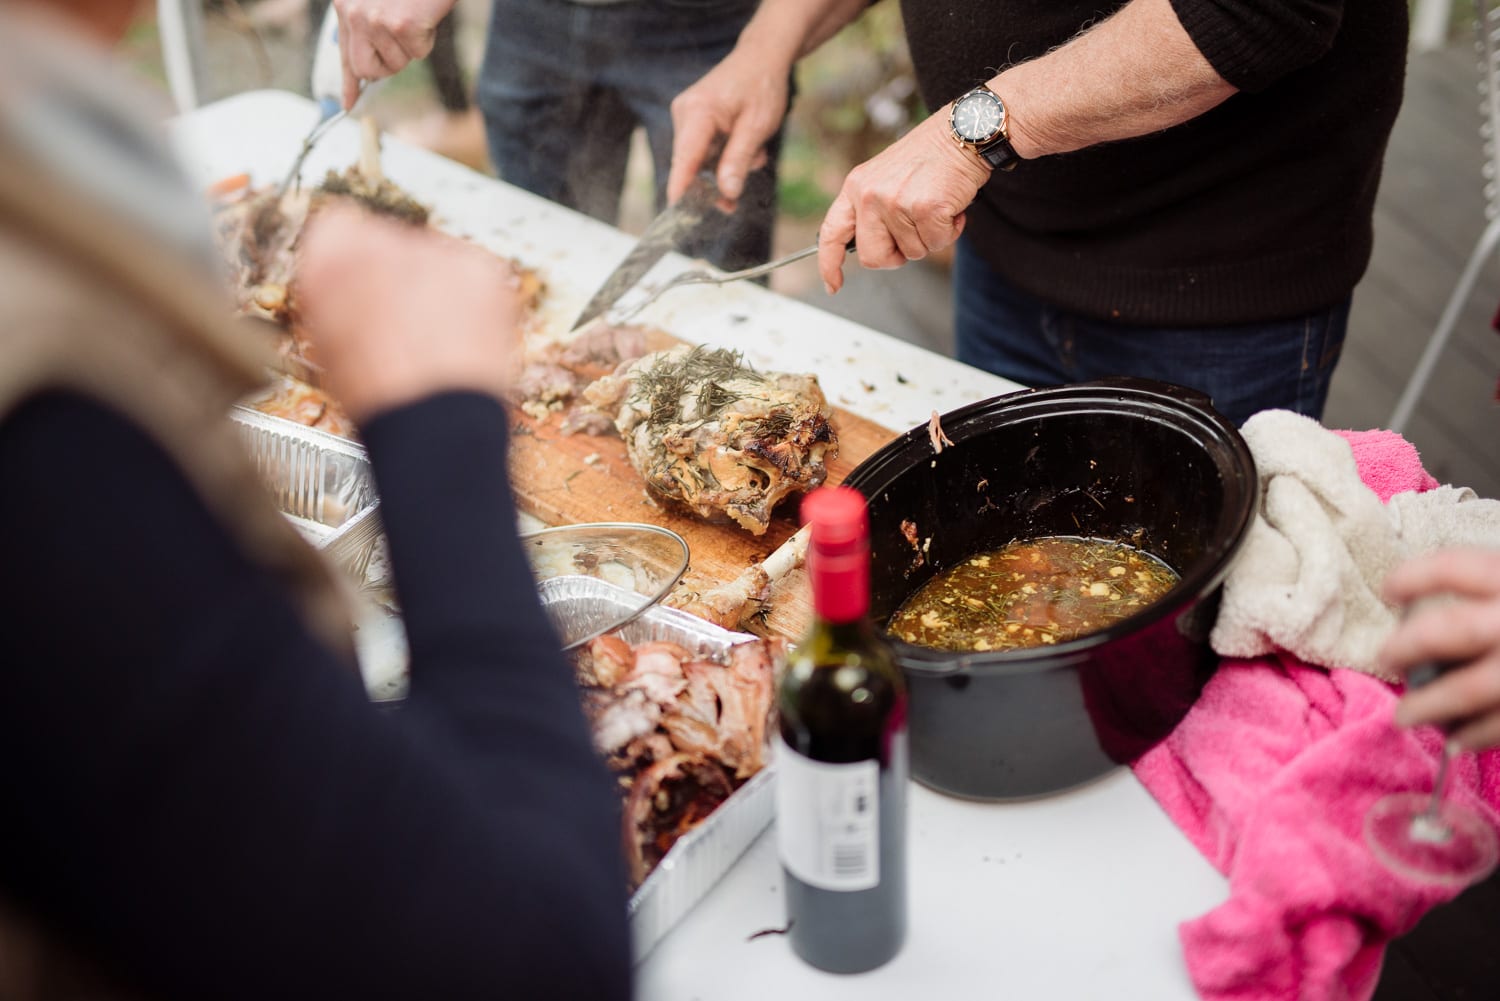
(905, 203)
(741, 99)
(744, 98)
(377, 38)
(399, 312)
(1465, 631)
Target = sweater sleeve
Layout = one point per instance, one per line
(1254, 43)
(203, 800)
(483, 653)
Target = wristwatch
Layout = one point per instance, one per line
(979, 121)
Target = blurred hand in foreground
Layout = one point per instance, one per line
(1464, 632)
(906, 202)
(377, 38)
(397, 313)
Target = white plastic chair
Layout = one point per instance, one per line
(179, 25)
(1488, 45)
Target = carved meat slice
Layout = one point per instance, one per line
(680, 732)
(556, 371)
(694, 727)
(753, 673)
(659, 657)
(258, 239)
(605, 661)
(545, 382)
(619, 717)
(709, 434)
(601, 343)
(667, 800)
(722, 713)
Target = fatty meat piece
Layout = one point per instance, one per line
(711, 435)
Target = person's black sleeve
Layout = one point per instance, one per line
(1254, 43)
(201, 797)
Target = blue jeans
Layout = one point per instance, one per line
(564, 85)
(1285, 364)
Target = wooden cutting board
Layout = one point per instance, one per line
(566, 479)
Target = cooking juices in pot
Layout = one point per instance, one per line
(1032, 593)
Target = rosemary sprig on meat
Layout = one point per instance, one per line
(664, 385)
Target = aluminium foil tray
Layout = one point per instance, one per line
(702, 856)
(321, 482)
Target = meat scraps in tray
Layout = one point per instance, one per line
(257, 235)
(680, 731)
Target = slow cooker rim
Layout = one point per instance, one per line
(1208, 572)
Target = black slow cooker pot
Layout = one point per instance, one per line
(1130, 460)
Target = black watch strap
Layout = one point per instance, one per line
(999, 154)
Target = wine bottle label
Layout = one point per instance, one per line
(828, 820)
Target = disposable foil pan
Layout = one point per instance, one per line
(701, 857)
(698, 860)
(321, 482)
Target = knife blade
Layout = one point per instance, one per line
(662, 234)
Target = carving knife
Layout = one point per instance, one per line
(664, 233)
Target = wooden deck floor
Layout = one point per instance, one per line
(1429, 215)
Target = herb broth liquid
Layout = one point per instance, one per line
(1033, 593)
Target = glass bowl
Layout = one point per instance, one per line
(594, 578)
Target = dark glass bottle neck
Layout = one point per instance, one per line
(848, 634)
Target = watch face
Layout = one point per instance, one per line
(977, 116)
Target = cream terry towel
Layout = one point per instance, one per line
(1308, 578)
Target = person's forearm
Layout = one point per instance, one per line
(484, 656)
(786, 30)
(1137, 72)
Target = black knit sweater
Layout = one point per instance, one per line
(201, 799)
(1258, 210)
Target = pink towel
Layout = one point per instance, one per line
(1270, 776)
(1388, 463)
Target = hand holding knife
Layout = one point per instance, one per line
(695, 209)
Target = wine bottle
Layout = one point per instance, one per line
(841, 763)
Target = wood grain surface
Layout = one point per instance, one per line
(567, 479)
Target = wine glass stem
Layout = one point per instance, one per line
(1440, 784)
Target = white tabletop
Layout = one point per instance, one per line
(1074, 896)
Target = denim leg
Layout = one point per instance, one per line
(1284, 364)
(552, 130)
(1004, 331)
(687, 40)
(564, 85)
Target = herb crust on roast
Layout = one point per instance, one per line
(710, 434)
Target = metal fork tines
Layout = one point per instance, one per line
(324, 125)
(318, 132)
(699, 276)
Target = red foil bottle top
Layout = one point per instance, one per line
(838, 552)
